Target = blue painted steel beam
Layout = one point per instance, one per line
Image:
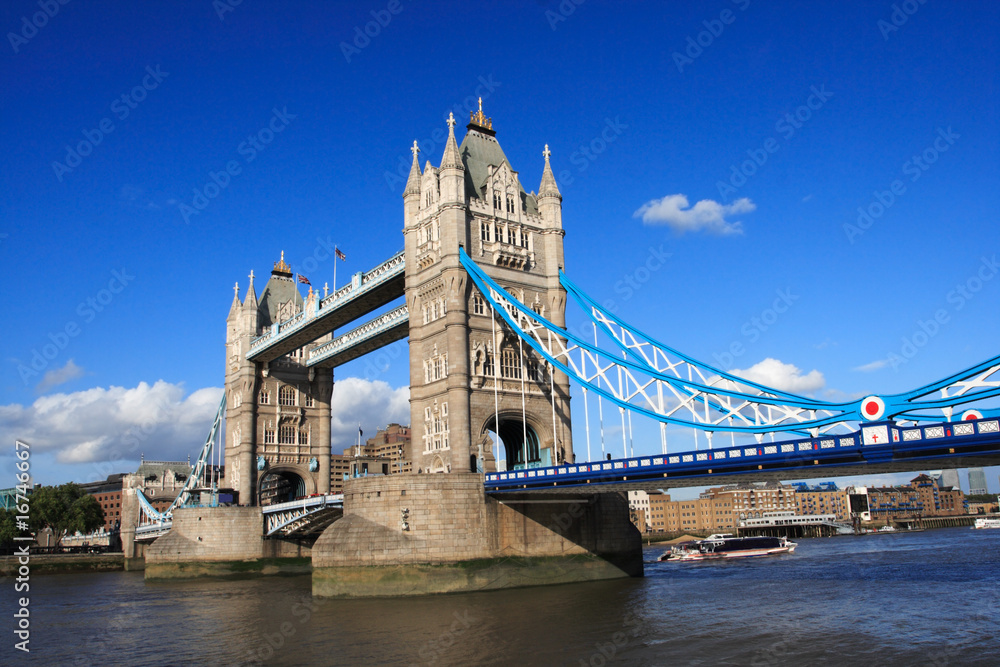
(946, 444)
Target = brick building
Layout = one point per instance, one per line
(822, 498)
(921, 497)
(108, 494)
(382, 454)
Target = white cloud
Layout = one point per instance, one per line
(785, 377)
(104, 430)
(372, 403)
(58, 376)
(710, 216)
(114, 425)
(872, 366)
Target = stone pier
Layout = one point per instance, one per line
(221, 541)
(420, 534)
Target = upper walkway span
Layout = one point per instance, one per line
(366, 292)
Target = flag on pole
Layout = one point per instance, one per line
(341, 256)
(303, 279)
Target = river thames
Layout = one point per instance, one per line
(892, 599)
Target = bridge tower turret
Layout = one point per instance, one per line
(277, 441)
(466, 380)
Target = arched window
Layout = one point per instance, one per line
(286, 434)
(265, 397)
(286, 395)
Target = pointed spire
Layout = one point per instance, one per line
(251, 297)
(451, 157)
(235, 307)
(413, 182)
(548, 188)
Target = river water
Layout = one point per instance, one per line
(893, 599)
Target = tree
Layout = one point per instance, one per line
(6, 528)
(65, 509)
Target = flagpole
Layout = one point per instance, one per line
(334, 269)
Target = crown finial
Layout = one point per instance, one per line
(281, 266)
(479, 118)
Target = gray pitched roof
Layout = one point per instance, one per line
(279, 290)
(480, 150)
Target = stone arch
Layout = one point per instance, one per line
(511, 431)
(283, 483)
(437, 465)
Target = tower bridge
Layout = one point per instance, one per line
(485, 300)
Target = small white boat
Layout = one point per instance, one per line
(726, 546)
(987, 523)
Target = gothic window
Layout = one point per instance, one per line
(265, 397)
(436, 428)
(510, 204)
(268, 436)
(286, 434)
(510, 365)
(310, 401)
(436, 368)
(434, 311)
(488, 364)
(496, 200)
(237, 399)
(286, 395)
(486, 231)
(478, 304)
(524, 239)
(304, 436)
(509, 235)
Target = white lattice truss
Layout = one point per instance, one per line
(652, 379)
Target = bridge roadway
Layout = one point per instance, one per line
(304, 516)
(911, 449)
(366, 292)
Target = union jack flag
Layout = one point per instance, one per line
(303, 279)
(341, 256)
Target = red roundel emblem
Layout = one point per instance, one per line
(872, 408)
(971, 414)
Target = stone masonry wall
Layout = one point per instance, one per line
(450, 519)
(210, 534)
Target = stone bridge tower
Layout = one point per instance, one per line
(277, 413)
(465, 379)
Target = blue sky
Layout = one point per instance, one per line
(785, 119)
